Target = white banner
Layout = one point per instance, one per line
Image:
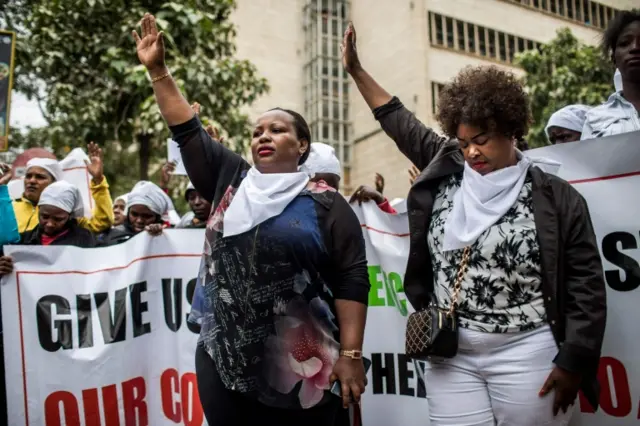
(96, 335)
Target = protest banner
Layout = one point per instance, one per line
(99, 337)
(7, 53)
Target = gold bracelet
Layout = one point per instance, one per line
(353, 353)
(160, 77)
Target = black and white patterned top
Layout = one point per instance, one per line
(502, 290)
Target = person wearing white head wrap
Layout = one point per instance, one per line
(119, 209)
(149, 195)
(147, 205)
(59, 207)
(322, 164)
(65, 196)
(50, 165)
(565, 125)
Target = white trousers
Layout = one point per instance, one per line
(494, 380)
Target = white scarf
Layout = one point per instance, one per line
(482, 200)
(261, 197)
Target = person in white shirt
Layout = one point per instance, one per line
(619, 114)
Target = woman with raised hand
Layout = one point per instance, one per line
(531, 307)
(285, 271)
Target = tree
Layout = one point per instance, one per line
(563, 72)
(78, 59)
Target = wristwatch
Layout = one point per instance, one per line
(353, 354)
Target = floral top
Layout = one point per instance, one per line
(501, 292)
(268, 319)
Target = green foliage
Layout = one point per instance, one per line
(78, 58)
(564, 72)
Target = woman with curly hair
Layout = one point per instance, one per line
(531, 306)
(620, 114)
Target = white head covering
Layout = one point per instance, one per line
(123, 197)
(617, 80)
(49, 164)
(150, 195)
(261, 197)
(571, 117)
(65, 196)
(322, 159)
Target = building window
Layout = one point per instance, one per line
(326, 82)
(476, 39)
(588, 12)
(435, 95)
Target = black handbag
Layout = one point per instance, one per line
(433, 331)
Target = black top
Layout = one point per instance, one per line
(75, 236)
(572, 280)
(270, 324)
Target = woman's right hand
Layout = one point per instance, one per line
(5, 173)
(151, 46)
(350, 59)
(6, 265)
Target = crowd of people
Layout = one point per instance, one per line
(531, 305)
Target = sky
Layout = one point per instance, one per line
(24, 112)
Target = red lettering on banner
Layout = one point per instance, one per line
(187, 408)
(169, 386)
(110, 404)
(615, 395)
(615, 392)
(91, 407)
(52, 414)
(133, 394)
(190, 398)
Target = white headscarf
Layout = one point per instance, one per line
(261, 197)
(617, 81)
(322, 159)
(571, 117)
(50, 165)
(123, 197)
(65, 196)
(150, 195)
(482, 200)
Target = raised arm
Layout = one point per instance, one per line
(416, 141)
(207, 162)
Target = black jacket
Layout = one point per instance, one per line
(76, 236)
(572, 279)
(116, 235)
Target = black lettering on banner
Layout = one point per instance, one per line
(113, 324)
(138, 307)
(191, 289)
(172, 297)
(380, 373)
(44, 320)
(628, 264)
(85, 325)
(404, 374)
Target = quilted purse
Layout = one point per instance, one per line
(433, 331)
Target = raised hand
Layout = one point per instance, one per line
(151, 46)
(167, 173)
(350, 60)
(5, 174)
(365, 193)
(95, 165)
(379, 181)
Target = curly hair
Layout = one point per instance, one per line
(615, 28)
(485, 97)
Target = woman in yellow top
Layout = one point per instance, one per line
(43, 172)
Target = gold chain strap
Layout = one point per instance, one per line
(464, 265)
